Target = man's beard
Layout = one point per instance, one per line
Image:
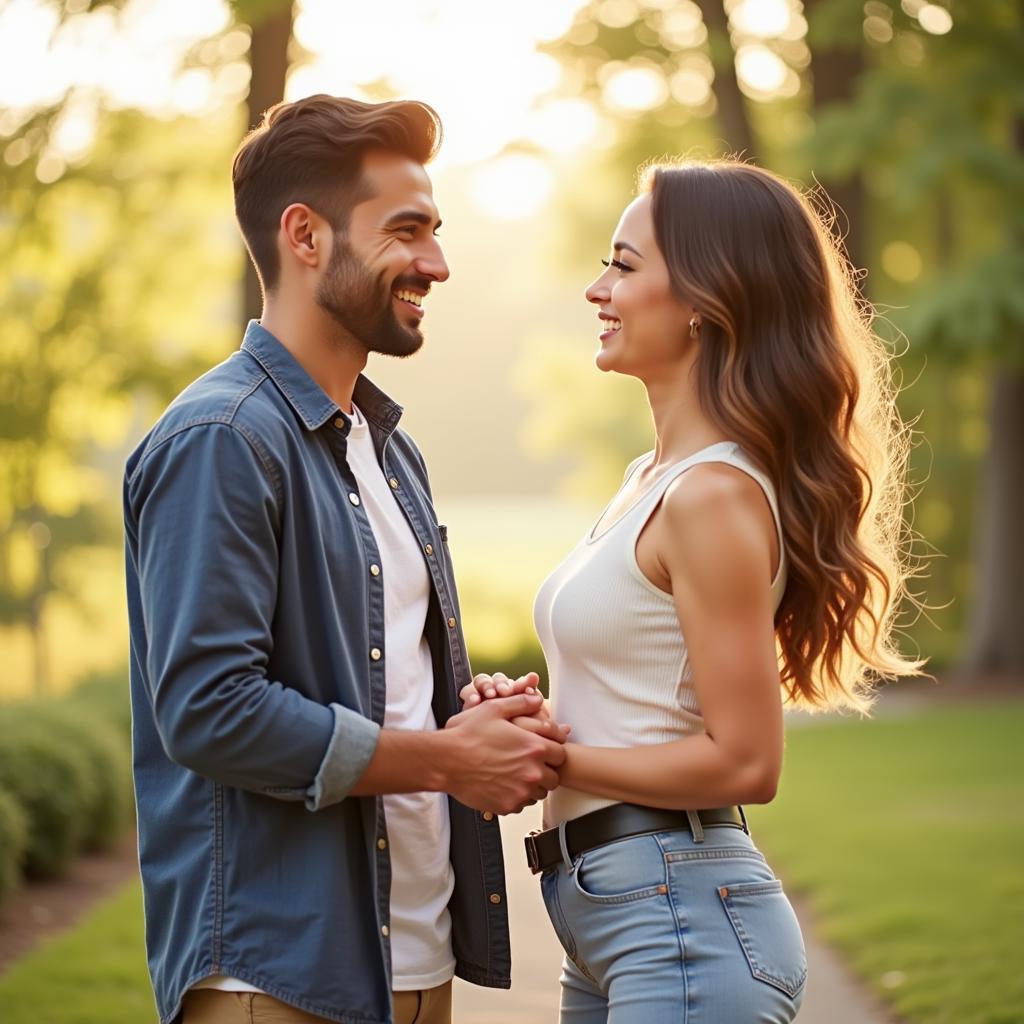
(362, 304)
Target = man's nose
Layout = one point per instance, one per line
(432, 264)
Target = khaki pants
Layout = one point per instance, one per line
(213, 1006)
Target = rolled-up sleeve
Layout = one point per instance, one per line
(207, 519)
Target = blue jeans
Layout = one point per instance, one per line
(662, 928)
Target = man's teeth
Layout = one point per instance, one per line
(613, 325)
(416, 300)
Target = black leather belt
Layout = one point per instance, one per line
(619, 821)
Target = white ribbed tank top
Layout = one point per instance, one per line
(617, 660)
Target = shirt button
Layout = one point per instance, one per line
(494, 898)
(451, 622)
(382, 844)
(394, 483)
(429, 548)
(354, 498)
(488, 815)
(339, 423)
(375, 570)
(385, 931)
(375, 654)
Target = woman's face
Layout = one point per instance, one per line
(643, 325)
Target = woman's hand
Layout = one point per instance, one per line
(497, 685)
(486, 687)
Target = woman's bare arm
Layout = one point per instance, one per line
(712, 538)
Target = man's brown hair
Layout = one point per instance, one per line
(311, 151)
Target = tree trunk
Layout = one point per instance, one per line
(835, 69)
(995, 641)
(732, 109)
(268, 60)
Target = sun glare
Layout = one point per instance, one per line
(512, 187)
(476, 63)
(634, 89)
(762, 18)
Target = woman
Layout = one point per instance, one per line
(753, 555)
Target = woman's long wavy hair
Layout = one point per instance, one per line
(790, 367)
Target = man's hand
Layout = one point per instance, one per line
(504, 758)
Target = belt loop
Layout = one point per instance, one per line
(695, 826)
(569, 866)
(743, 818)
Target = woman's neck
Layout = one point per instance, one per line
(680, 425)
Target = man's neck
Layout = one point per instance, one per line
(319, 344)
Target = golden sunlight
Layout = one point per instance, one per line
(511, 187)
(476, 63)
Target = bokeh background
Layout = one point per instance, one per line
(122, 277)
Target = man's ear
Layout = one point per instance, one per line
(305, 235)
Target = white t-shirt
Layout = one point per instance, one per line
(422, 879)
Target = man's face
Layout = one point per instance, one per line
(382, 267)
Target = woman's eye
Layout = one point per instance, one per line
(617, 264)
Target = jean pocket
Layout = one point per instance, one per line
(549, 893)
(768, 932)
(622, 872)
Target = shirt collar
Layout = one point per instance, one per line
(306, 397)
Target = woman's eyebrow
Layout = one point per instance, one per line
(625, 245)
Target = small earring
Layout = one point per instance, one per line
(694, 328)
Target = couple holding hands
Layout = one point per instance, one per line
(317, 771)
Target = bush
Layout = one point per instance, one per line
(55, 786)
(108, 694)
(83, 728)
(13, 837)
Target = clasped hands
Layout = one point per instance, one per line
(513, 749)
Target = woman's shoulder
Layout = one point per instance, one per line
(716, 511)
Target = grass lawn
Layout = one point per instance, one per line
(905, 833)
(94, 974)
(907, 836)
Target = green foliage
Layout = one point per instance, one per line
(106, 693)
(118, 284)
(83, 728)
(13, 836)
(254, 12)
(65, 762)
(936, 126)
(905, 834)
(54, 786)
(598, 418)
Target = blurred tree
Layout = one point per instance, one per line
(732, 107)
(913, 125)
(942, 120)
(92, 316)
(271, 23)
(102, 248)
(704, 106)
(835, 37)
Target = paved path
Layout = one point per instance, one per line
(831, 998)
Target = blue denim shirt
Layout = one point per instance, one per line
(256, 606)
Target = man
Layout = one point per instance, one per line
(296, 637)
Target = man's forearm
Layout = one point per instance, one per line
(408, 762)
